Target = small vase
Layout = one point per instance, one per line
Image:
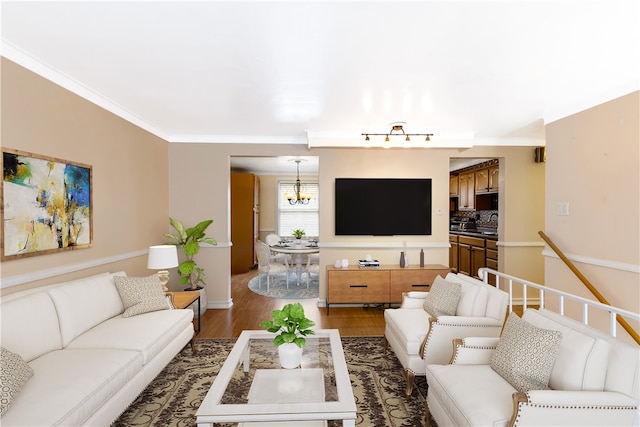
(402, 260)
(290, 355)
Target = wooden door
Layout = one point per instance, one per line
(244, 226)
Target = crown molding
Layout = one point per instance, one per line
(44, 70)
(236, 139)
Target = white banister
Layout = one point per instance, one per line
(587, 304)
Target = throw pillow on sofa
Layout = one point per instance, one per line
(525, 354)
(443, 297)
(14, 374)
(141, 294)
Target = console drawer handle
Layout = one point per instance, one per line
(420, 286)
(357, 286)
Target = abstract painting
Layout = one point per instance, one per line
(46, 205)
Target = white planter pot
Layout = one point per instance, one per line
(290, 355)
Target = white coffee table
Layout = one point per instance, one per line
(252, 389)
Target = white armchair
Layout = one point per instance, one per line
(419, 338)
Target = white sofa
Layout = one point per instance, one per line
(419, 338)
(89, 362)
(594, 381)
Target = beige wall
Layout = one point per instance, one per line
(204, 170)
(593, 163)
(131, 208)
(130, 177)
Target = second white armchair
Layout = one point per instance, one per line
(418, 337)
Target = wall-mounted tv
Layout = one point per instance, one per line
(382, 206)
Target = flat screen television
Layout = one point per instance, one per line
(382, 206)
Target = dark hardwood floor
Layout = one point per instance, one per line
(249, 309)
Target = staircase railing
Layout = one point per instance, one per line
(506, 282)
(588, 284)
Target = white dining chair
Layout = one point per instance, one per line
(267, 266)
(313, 266)
(273, 239)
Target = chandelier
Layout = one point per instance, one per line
(397, 127)
(298, 197)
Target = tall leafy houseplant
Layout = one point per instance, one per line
(189, 239)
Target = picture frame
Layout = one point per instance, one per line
(46, 205)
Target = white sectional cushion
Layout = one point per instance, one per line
(582, 359)
(473, 301)
(84, 303)
(69, 385)
(497, 300)
(456, 388)
(14, 374)
(30, 326)
(443, 297)
(525, 354)
(147, 333)
(141, 294)
(473, 297)
(410, 325)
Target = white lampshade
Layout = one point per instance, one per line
(162, 256)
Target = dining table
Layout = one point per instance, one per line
(296, 250)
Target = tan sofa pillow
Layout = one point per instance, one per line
(525, 354)
(14, 374)
(443, 297)
(141, 294)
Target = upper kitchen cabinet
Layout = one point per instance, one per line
(467, 190)
(454, 189)
(487, 179)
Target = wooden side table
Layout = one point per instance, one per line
(184, 299)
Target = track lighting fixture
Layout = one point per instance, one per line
(398, 129)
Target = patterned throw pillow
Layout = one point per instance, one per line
(140, 294)
(443, 297)
(14, 374)
(525, 354)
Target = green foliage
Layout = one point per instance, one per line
(291, 324)
(189, 239)
(298, 233)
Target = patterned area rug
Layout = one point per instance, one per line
(278, 286)
(377, 379)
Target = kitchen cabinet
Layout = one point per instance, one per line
(384, 284)
(494, 178)
(487, 179)
(467, 190)
(245, 226)
(492, 258)
(471, 255)
(453, 252)
(454, 190)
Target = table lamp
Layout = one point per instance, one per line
(162, 257)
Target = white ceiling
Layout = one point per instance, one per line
(282, 72)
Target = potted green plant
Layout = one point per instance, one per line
(291, 327)
(189, 239)
(298, 233)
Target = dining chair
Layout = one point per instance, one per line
(267, 266)
(313, 266)
(273, 239)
